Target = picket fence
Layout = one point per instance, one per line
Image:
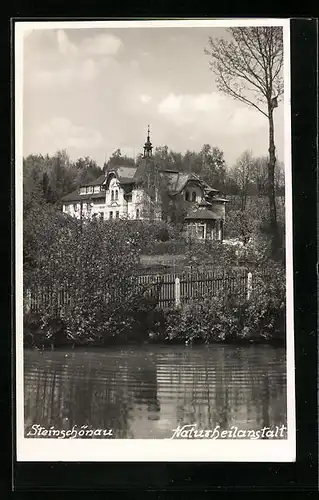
(175, 289)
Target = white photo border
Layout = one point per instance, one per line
(153, 450)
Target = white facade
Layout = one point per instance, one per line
(119, 201)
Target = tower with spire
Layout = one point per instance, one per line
(148, 145)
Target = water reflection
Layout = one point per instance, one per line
(146, 392)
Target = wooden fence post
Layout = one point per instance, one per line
(27, 301)
(177, 292)
(249, 285)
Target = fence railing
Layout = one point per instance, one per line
(174, 290)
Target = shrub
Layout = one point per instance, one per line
(211, 252)
(230, 317)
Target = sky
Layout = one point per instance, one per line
(91, 91)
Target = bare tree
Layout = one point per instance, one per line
(260, 174)
(242, 173)
(248, 67)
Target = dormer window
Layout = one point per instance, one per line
(186, 196)
(82, 190)
(116, 194)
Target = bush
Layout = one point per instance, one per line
(228, 317)
(211, 252)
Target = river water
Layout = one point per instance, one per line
(146, 392)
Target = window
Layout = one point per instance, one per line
(84, 206)
(75, 207)
(201, 231)
(102, 215)
(129, 197)
(117, 215)
(111, 215)
(90, 189)
(187, 196)
(116, 194)
(82, 190)
(137, 213)
(96, 189)
(222, 230)
(193, 196)
(112, 195)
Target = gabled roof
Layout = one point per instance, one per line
(218, 198)
(125, 174)
(76, 196)
(204, 214)
(176, 181)
(97, 182)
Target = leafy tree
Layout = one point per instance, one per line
(103, 297)
(49, 178)
(87, 170)
(213, 169)
(249, 68)
(241, 224)
(192, 162)
(117, 159)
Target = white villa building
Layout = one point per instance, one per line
(131, 192)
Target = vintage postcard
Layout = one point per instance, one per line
(154, 266)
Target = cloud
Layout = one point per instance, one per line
(65, 46)
(212, 111)
(65, 75)
(134, 64)
(171, 105)
(46, 78)
(105, 44)
(144, 98)
(61, 133)
(98, 45)
(89, 70)
(55, 60)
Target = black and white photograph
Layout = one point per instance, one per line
(154, 268)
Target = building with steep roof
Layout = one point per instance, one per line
(146, 192)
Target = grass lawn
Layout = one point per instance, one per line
(166, 260)
(162, 263)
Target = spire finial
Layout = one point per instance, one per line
(148, 145)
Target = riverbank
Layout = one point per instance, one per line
(240, 342)
(175, 327)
